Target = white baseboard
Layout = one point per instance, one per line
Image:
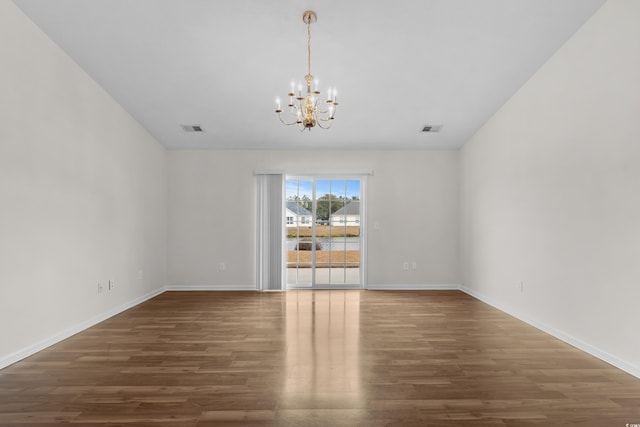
(581, 345)
(630, 368)
(54, 339)
(418, 287)
(249, 287)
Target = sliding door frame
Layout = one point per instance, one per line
(306, 176)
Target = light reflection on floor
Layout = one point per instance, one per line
(323, 350)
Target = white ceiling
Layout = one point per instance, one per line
(398, 65)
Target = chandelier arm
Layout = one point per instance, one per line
(293, 109)
(285, 123)
(330, 113)
(329, 119)
(319, 123)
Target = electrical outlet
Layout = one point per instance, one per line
(99, 288)
(221, 266)
(414, 265)
(405, 265)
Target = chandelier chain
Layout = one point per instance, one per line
(309, 47)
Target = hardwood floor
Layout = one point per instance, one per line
(315, 358)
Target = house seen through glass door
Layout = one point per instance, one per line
(323, 233)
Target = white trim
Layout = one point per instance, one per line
(416, 287)
(63, 335)
(248, 287)
(364, 236)
(628, 367)
(314, 172)
(269, 172)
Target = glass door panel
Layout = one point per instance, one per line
(299, 232)
(340, 236)
(327, 252)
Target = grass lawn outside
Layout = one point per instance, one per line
(324, 259)
(324, 231)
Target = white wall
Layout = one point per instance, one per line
(550, 193)
(412, 196)
(82, 194)
(548, 198)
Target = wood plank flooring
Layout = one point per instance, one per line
(315, 358)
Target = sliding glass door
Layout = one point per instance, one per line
(323, 219)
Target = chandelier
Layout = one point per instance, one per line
(308, 111)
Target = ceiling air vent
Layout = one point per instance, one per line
(431, 128)
(192, 128)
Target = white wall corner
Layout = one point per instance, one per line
(63, 335)
(630, 368)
